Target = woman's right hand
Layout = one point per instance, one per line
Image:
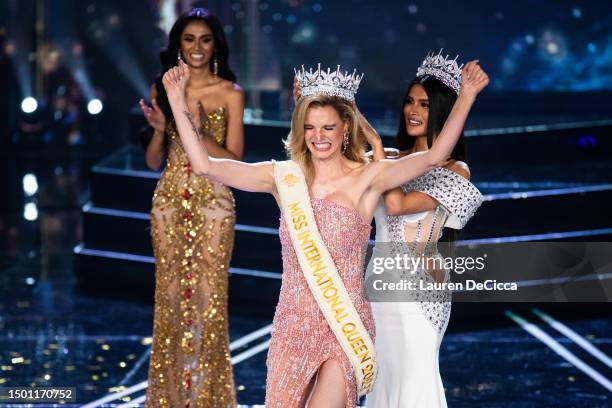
(175, 81)
(154, 115)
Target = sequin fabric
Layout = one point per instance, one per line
(418, 234)
(455, 193)
(192, 229)
(301, 338)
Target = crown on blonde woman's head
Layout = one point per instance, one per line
(443, 69)
(333, 83)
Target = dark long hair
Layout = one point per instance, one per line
(168, 57)
(441, 101)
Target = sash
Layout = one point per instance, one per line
(320, 272)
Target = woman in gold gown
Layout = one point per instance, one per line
(192, 224)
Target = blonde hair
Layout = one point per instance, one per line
(295, 144)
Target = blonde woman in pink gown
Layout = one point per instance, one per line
(306, 365)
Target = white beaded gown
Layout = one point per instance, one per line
(409, 333)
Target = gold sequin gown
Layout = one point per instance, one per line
(192, 228)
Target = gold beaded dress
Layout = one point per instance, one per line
(192, 229)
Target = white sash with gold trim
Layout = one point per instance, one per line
(321, 274)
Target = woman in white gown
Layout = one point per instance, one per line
(412, 219)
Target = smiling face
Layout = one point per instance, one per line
(197, 44)
(324, 132)
(416, 111)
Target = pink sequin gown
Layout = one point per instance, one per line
(301, 338)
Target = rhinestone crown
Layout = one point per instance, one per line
(334, 83)
(443, 69)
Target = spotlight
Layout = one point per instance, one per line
(94, 106)
(30, 184)
(30, 212)
(552, 48)
(29, 105)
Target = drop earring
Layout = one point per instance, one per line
(345, 143)
(215, 65)
(179, 56)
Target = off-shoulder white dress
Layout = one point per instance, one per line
(409, 333)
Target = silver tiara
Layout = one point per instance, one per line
(443, 69)
(334, 83)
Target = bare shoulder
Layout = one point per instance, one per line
(375, 166)
(460, 168)
(357, 167)
(233, 95)
(231, 89)
(236, 87)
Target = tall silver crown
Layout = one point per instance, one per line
(334, 83)
(443, 69)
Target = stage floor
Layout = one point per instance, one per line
(52, 336)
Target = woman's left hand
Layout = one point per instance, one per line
(473, 79)
(371, 135)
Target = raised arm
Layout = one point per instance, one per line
(243, 176)
(394, 173)
(397, 202)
